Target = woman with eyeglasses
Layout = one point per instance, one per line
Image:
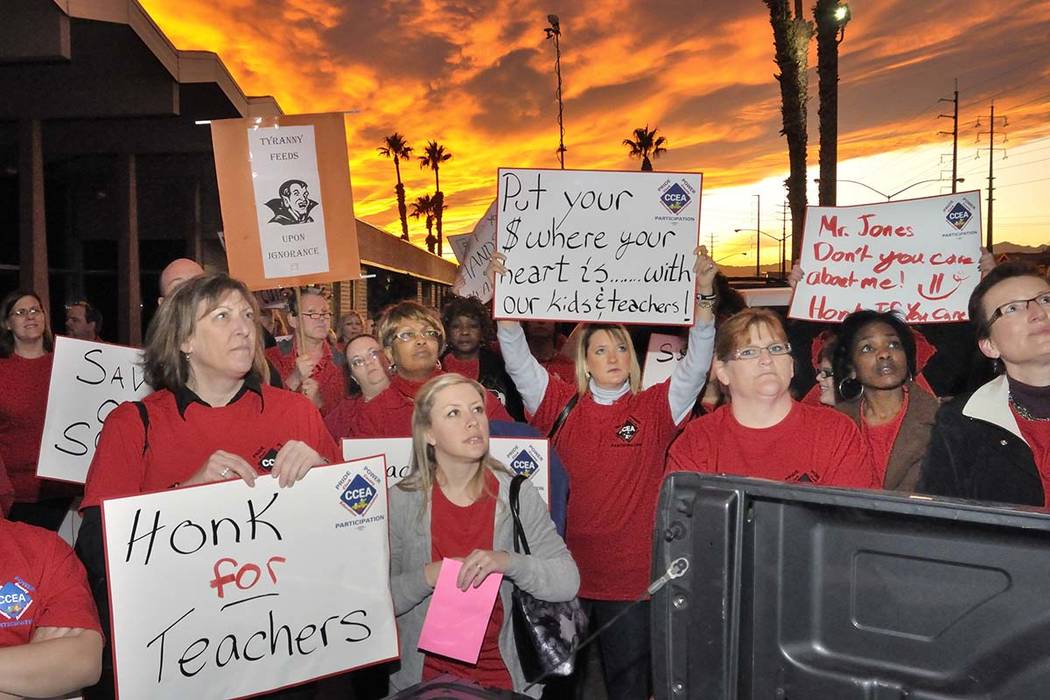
(825, 370)
(763, 432)
(26, 346)
(369, 376)
(994, 444)
(312, 369)
(875, 363)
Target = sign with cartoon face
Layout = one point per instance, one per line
(917, 257)
(226, 590)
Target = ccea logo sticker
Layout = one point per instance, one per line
(524, 464)
(14, 601)
(269, 460)
(628, 430)
(675, 198)
(959, 215)
(358, 495)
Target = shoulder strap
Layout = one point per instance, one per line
(562, 416)
(521, 545)
(144, 415)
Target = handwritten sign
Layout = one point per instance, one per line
(528, 456)
(918, 257)
(474, 251)
(226, 591)
(664, 354)
(597, 246)
(88, 380)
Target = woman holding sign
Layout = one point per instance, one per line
(212, 416)
(613, 438)
(453, 510)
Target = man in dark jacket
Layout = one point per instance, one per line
(994, 444)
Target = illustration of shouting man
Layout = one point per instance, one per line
(294, 205)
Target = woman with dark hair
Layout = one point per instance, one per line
(468, 332)
(455, 504)
(212, 416)
(369, 377)
(26, 346)
(875, 363)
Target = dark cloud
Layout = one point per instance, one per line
(512, 94)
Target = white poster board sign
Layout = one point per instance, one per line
(664, 354)
(474, 251)
(88, 380)
(917, 256)
(223, 591)
(529, 456)
(597, 245)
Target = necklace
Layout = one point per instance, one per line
(1024, 412)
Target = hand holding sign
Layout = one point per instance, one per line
(705, 270)
(222, 466)
(294, 459)
(478, 565)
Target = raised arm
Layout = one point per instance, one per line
(688, 377)
(529, 376)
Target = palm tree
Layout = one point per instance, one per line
(395, 147)
(424, 206)
(646, 143)
(433, 156)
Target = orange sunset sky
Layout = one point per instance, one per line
(478, 76)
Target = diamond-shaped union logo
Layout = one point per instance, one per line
(14, 601)
(675, 198)
(358, 495)
(959, 216)
(524, 464)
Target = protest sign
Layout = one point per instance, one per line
(287, 207)
(528, 456)
(474, 251)
(597, 245)
(88, 380)
(917, 256)
(226, 590)
(664, 354)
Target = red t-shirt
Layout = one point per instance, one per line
(1037, 434)
(339, 419)
(254, 425)
(811, 444)
(390, 413)
(615, 459)
(880, 438)
(329, 375)
(42, 584)
(456, 531)
(468, 368)
(23, 403)
(561, 366)
(7, 491)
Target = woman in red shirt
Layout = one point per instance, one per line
(369, 377)
(455, 505)
(875, 361)
(26, 346)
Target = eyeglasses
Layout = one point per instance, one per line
(318, 315)
(753, 352)
(357, 361)
(1012, 308)
(825, 373)
(28, 313)
(409, 336)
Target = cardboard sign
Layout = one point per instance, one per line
(287, 207)
(597, 245)
(664, 354)
(474, 251)
(88, 380)
(918, 257)
(226, 591)
(529, 456)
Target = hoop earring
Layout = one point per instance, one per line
(854, 391)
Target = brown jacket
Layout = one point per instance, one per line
(905, 465)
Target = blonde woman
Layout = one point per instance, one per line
(454, 505)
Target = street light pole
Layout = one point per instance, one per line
(780, 239)
(758, 236)
(554, 31)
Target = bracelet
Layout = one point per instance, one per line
(700, 296)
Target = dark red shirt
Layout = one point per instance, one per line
(389, 414)
(880, 438)
(340, 418)
(615, 459)
(183, 434)
(329, 374)
(456, 531)
(24, 385)
(811, 444)
(468, 368)
(1037, 434)
(42, 584)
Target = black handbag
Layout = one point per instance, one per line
(546, 634)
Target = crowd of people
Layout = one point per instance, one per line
(449, 379)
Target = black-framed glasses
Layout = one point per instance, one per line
(31, 312)
(409, 336)
(753, 352)
(357, 361)
(318, 315)
(1018, 306)
(825, 373)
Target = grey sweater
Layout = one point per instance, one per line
(549, 573)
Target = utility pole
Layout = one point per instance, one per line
(758, 236)
(783, 238)
(554, 32)
(711, 248)
(989, 238)
(954, 116)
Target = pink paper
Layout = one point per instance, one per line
(456, 620)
